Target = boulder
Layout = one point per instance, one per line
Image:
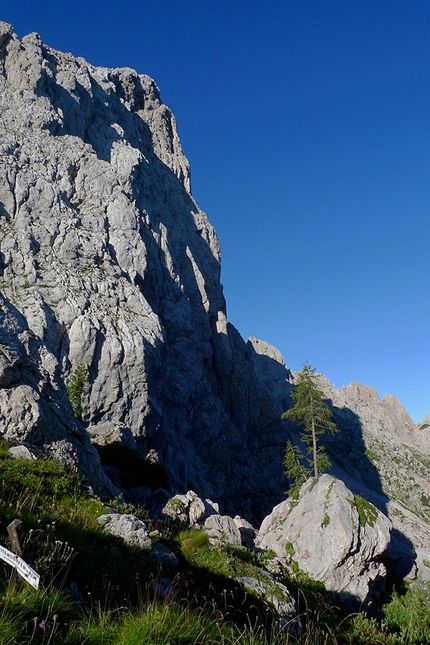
(20, 452)
(162, 558)
(332, 535)
(128, 527)
(188, 510)
(222, 528)
(275, 594)
(247, 532)
(110, 432)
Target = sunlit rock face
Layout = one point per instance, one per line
(106, 260)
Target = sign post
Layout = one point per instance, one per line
(24, 569)
(14, 559)
(13, 532)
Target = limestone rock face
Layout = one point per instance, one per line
(332, 538)
(34, 409)
(107, 261)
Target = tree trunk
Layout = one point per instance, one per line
(314, 443)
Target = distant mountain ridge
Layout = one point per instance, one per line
(107, 261)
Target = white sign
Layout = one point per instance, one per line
(22, 567)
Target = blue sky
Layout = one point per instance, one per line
(307, 127)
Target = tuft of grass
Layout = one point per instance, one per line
(77, 386)
(191, 541)
(34, 616)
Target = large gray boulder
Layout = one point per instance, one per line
(333, 536)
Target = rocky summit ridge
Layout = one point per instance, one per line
(108, 263)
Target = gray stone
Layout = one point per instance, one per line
(128, 527)
(196, 511)
(221, 528)
(162, 557)
(211, 508)
(188, 510)
(276, 594)
(423, 565)
(324, 534)
(247, 532)
(20, 452)
(176, 509)
(110, 432)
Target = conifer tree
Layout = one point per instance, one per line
(295, 471)
(76, 388)
(311, 412)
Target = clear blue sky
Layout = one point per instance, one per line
(307, 127)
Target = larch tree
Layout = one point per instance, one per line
(312, 413)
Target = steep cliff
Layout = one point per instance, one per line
(108, 262)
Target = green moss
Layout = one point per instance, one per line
(326, 521)
(174, 504)
(326, 518)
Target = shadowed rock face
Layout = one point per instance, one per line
(107, 261)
